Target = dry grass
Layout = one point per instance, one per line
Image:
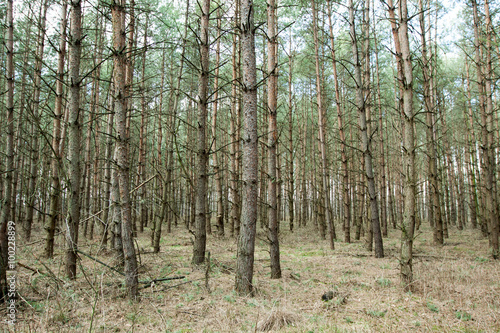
(457, 289)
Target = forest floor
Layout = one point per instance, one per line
(457, 288)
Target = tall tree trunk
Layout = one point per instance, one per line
(409, 173)
(431, 144)
(272, 104)
(470, 152)
(235, 138)
(202, 153)
(5, 226)
(55, 192)
(291, 180)
(108, 153)
(374, 223)
(488, 145)
(34, 168)
(383, 181)
(75, 132)
(217, 160)
(121, 150)
(340, 118)
(246, 239)
(321, 124)
(141, 168)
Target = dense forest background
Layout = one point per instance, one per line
(126, 119)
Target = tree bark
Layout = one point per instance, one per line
(272, 105)
(374, 223)
(7, 194)
(30, 204)
(246, 240)
(121, 149)
(340, 119)
(74, 135)
(55, 192)
(321, 124)
(202, 153)
(410, 183)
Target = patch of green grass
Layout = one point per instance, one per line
(36, 305)
(482, 259)
(462, 315)
(229, 298)
(432, 307)
(348, 320)
(384, 282)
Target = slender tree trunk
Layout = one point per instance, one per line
(291, 184)
(5, 226)
(75, 132)
(374, 223)
(272, 105)
(488, 146)
(470, 153)
(202, 153)
(55, 192)
(409, 173)
(321, 124)
(30, 204)
(246, 240)
(431, 144)
(235, 138)
(217, 160)
(340, 118)
(122, 148)
(141, 168)
(107, 176)
(383, 181)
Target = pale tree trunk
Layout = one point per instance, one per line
(55, 192)
(470, 152)
(30, 205)
(321, 124)
(435, 204)
(217, 160)
(74, 135)
(129, 58)
(410, 183)
(340, 118)
(235, 138)
(121, 149)
(141, 168)
(374, 223)
(95, 206)
(7, 192)
(272, 105)
(478, 59)
(108, 153)
(200, 233)
(291, 185)
(246, 239)
(383, 182)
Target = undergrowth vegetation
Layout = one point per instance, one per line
(456, 288)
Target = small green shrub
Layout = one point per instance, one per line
(462, 315)
(432, 307)
(376, 313)
(384, 282)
